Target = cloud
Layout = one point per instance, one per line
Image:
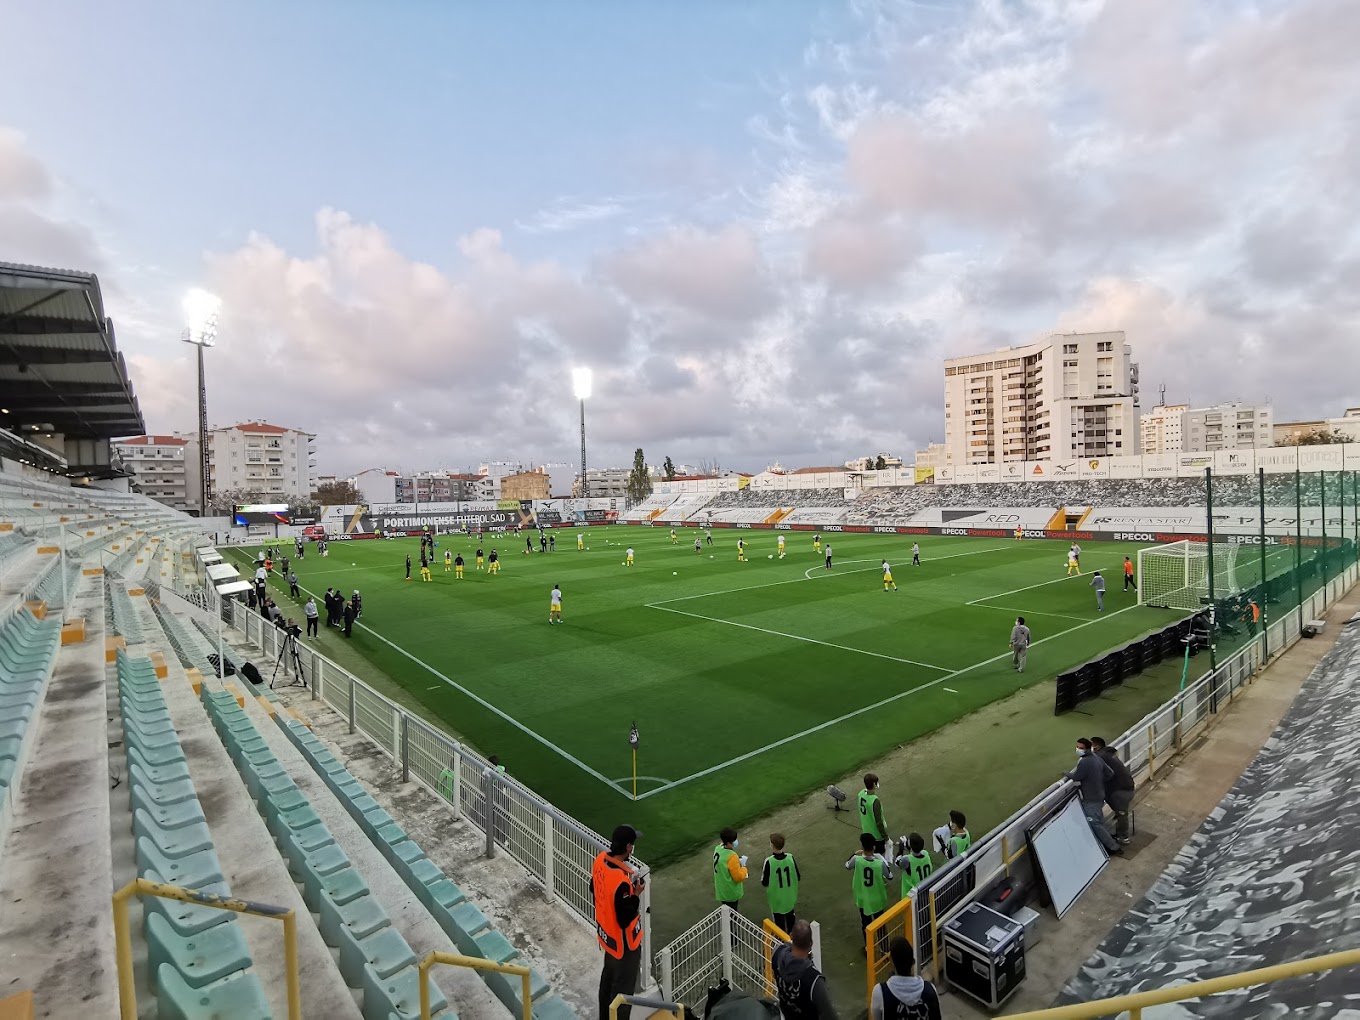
(569, 213)
(31, 231)
(856, 250)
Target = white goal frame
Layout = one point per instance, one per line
(1176, 575)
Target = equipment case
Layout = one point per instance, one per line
(984, 954)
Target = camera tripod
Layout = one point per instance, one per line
(289, 650)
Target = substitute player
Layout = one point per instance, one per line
(817, 542)
(580, 541)
(887, 577)
(555, 604)
(1073, 567)
(425, 571)
(493, 563)
(914, 861)
(674, 540)
(480, 560)
(628, 561)
(458, 567)
(448, 560)
(781, 547)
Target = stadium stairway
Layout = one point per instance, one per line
(1269, 878)
(365, 909)
(185, 816)
(55, 867)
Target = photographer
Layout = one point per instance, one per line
(615, 889)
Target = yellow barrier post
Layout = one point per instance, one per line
(127, 994)
(1135, 1004)
(677, 1008)
(772, 933)
(475, 963)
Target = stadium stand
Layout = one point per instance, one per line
(1268, 879)
(28, 649)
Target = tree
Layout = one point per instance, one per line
(881, 464)
(304, 507)
(1333, 438)
(669, 468)
(341, 492)
(639, 479)
(710, 466)
(222, 502)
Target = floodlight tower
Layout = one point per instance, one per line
(580, 383)
(200, 317)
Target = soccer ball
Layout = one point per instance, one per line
(710, 556)
(770, 556)
(675, 573)
(354, 564)
(624, 563)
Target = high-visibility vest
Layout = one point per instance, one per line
(606, 875)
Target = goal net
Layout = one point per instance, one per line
(1176, 576)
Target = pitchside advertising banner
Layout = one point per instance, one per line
(343, 522)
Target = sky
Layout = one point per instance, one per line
(762, 224)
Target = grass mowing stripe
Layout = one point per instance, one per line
(860, 711)
(490, 707)
(1030, 587)
(799, 637)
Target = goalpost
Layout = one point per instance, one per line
(1176, 576)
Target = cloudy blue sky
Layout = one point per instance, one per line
(762, 223)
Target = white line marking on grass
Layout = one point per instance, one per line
(949, 689)
(492, 708)
(867, 708)
(1031, 587)
(1028, 612)
(799, 637)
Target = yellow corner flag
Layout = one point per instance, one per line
(633, 743)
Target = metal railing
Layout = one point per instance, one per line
(1144, 748)
(127, 993)
(474, 963)
(725, 944)
(555, 848)
(677, 1008)
(1135, 1004)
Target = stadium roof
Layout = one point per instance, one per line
(154, 441)
(60, 370)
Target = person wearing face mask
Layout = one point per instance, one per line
(1091, 775)
(729, 870)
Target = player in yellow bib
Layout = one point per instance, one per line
(673, 538)
(555, 605)
(425, 573)
(781, 547)
(741, 551)
(580, 542)
(817, 543)
(629, 561)
(448, 560)
(887, 577)
(480, 559)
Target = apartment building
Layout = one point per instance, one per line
(438, 488)
(166, 468)
(278, 462)
(1068, 395)
(611, 482)
(1234, 426)
(1161, 428)
(934, 455)
(535, 484)
(1288, 433)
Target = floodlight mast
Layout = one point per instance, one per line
(200, 317)
(581, 379)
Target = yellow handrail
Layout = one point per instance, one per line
(476, 963)
(127, 994)
(636, 1000)
(1134, 1004)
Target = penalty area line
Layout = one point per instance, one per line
(861, 711)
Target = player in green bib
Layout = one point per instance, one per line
(959, 839)
(914, 862)
(780, 879)
(871, 814)
(870, 875)
(729, 870)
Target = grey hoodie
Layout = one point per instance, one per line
(921, 999)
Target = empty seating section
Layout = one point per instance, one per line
(12, 543)
(28, 648)
(186, 642)
(461, 920)
(199, 963)
(126, 621)
(374, 956)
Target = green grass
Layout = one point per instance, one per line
(751, 683)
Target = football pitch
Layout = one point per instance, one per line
(750, 683)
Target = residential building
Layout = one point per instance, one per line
(934, 455)
(1234, 426)
(1161, 428)
(166, 468)
(611, 482)
(437, 487)
(535, 484)
(871, 463)
(1068, 395)
(1288, 433)
(278, 463)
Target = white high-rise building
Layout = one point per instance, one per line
(276, 462)
(1161, 428)
(164, 468)
(1068, 395)
(1232, 426)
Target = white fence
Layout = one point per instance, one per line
(724, 944)
(1144, 748)
(555, 848)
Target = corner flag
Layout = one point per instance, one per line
(633, 737)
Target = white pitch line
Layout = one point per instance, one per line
(949, 689)
(860, 711)
(1027, 612)
(799, 637)
(1030, 587)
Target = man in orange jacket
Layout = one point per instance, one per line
(616, 890)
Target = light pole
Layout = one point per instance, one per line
(580, 383)
(200, 317)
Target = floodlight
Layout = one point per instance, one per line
(200, 317)
(581, 379)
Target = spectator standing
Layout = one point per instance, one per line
(729, 870)
(801, 988)
(1020, 638)
(915, 554)
(358, 604)
(904, 996)
(1119, 789)
(350, 615)
(552, 543)
(293, 585)
(871, 813)
(780, 878)
(309, 611)
(616, 890)
(1098, 583)
(870, 875)
(1090, 774)
(828, 556)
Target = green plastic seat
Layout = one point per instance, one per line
(343, 885)
(199, 959)
(270, 778)
(167, 816)
(166, 773)
(185, 918)
(442, 893)
(385, 951)
(398, 994)
(164, 755)
(510, 989)
(493, 946)
(298, 818)
(239, 997)
(187, 839)
(164, 792)
(359, 917)
(553, 1007)
(296, 843)
(192, 871)
(314, 868)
